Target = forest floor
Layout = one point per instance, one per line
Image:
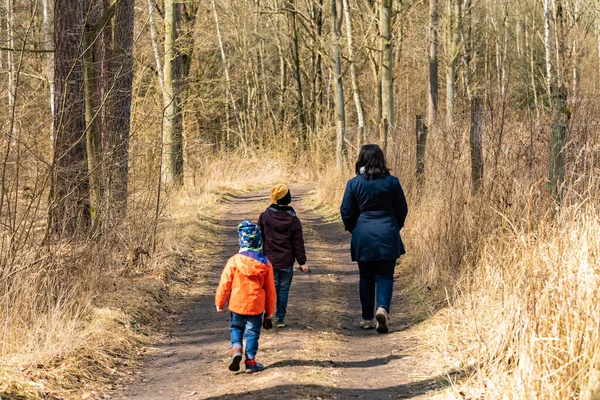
(322, 353)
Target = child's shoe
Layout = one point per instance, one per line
(236, 358)
(367, 324)
(382, 318)
(253, 366)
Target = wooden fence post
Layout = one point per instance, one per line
(558, 138)
(476, 144)
(421, 132)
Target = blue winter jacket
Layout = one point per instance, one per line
(374, 211)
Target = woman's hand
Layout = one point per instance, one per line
(304, 269)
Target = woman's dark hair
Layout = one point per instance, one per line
(373, 160)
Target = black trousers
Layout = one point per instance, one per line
(376, 284)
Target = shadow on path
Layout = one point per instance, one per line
(404, 391)
(374, 362)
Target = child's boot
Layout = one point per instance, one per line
(236, 358)
(253, 366)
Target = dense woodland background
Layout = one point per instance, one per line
(115, 113)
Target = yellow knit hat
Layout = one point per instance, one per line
(278, 192)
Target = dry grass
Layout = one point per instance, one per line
(78, 315)
(519, 282)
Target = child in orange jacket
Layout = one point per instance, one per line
(248, 280)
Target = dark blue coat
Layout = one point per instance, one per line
(374, 211)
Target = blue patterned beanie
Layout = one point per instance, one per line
(250, 237)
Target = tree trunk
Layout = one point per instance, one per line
(387, 79)
(454, 16)
(69, 212)
(421, 140)
(172, 121)
(92, 70)
(317, 93)
(293, 34)
(118, 112)
(354, 77)
(529, 44)
(49, 62)
(10, 55)
(476, 144)
(465, 38)
(336, 68)
(547, 46)
(556, 156)
(154, 38)
(432, 108)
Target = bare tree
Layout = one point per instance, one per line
(453, 37)
(387, 78)
(118, 108)
(93, 58)
(172, 121)
(432, 102)
(69, 196)
(155, 49)
(354, 77)
(294, 47)
(476, 144)
(547, 45)
(10, 34)
(337, 9)
(49, 61)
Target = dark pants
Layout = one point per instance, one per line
(283, 281)
(376, 282)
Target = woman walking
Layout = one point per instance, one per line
(373, 211)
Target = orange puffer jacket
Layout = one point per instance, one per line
(248, 279)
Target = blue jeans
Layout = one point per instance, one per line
(376, 282)
(283, 281)
(245, 326)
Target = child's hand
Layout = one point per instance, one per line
(270, 316)
(220, 309)
(304, 269)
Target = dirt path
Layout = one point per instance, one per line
(321, 354)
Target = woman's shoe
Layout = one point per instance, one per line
(382, 318)
(281, 324)
(367, 324)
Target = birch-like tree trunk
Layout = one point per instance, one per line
(432, 103)
(10, 57)
(529, 45)
(454, 15)
(547, 46)
(337, 9)
(155, 47)
(294, 45)
(354, 77)
(575, 56)
(172, 164)
(228, 93)
(69, 212)
(387, 78)
(317, 92)
(49, 61)
(465, 30)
